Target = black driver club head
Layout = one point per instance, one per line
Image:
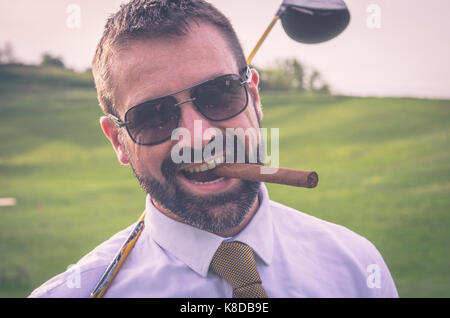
(314, 21)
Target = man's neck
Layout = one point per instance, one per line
(227, 233)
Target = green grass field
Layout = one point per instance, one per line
(383, 165)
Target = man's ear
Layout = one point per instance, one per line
(112, 133)
(254, 92)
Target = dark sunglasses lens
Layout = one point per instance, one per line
(154, 121)
(221, 98)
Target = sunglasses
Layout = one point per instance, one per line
(217, 99)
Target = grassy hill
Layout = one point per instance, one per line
(383, 165)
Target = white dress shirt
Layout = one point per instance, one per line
(297, 255)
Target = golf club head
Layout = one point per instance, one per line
(314, 21)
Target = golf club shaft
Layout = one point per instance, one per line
(253, 172)
(261, 40)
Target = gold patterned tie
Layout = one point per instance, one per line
(235, 262)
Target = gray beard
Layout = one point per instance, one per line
(214, 213)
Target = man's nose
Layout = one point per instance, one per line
(200, 128)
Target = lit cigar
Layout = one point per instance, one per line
(296, 178)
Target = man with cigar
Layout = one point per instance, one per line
(163, 65)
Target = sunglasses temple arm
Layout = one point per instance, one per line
(117, 121)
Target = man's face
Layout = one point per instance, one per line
(151, 68)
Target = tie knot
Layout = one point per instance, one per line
(235, 262)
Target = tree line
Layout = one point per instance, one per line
(292, 75)
(7, 56)
(284, 75)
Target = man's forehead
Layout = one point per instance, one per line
(149, 68)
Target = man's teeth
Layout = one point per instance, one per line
(209, 165)
(210, 182)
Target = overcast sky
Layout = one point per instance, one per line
(408, 55)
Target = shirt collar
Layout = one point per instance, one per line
(196, 247)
